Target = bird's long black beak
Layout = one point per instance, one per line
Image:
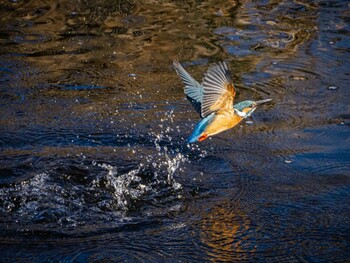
(258, 102)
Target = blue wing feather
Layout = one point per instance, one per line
(193, 89)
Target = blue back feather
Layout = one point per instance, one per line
(200, 128)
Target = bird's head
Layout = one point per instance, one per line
(247, 107)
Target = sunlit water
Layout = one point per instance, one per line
(94, 164)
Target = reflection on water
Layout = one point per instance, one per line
(225, 233)
(94, 120)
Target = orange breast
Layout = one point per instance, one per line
(222, 123)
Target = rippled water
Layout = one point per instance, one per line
(94, 164)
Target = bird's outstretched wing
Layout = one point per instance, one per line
(218, 90)
(193, 89)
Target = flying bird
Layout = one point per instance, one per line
(213, 100)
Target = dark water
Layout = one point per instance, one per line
(94, 164)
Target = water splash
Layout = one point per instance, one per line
(72, 195)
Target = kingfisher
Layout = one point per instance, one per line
(213, 100)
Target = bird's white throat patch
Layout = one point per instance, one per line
(240, 113)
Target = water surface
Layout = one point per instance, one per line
(94, 164)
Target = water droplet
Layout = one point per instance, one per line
(333, 87)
